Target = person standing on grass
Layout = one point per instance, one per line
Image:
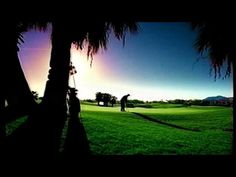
(123, 101)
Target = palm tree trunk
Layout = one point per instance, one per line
(54, 100)
(15, 87)
(58, 78)
(2, 120)
(18, 91)
(234, 104)
(2, 109)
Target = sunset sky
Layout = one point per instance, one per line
(157, 63)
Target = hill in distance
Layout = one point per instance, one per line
(217, 98)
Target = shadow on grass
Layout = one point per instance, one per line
(76, 142)
(164, 123)
(39, 138)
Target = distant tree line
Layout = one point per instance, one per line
(197, 102)
(105, 98)
(202, 102)
(135, 101)
(90, 100)
(108, 98)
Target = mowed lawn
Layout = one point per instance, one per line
(206, 130)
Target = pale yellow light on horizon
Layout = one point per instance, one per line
(86, 73)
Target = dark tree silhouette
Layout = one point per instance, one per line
(64, 33)
(216, 41)
(99, 97)
(95, 34)
(113, 100)
(35, 95)
(50, 116)
(106, 99)
(2, 120)
(14, 87)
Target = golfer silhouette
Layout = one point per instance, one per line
(123, 102)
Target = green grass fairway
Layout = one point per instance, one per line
(208, 130)
(158, 130)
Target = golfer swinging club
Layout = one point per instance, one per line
(123, 101)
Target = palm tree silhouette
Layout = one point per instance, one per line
(14, 88)
(51, 115)
(94, 35)
(217, 41)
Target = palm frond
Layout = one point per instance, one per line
(218, 40)
(36, 25)
(95, 35)
(23, 26)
